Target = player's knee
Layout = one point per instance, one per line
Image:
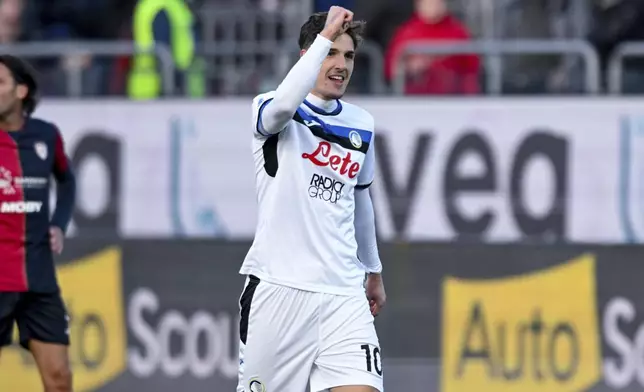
(58, 379)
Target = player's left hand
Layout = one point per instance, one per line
(376, 295)
(56, 239)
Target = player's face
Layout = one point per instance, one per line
(336, 69)
(9, 98)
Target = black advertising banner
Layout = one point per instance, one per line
(163, 316)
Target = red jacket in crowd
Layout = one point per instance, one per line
(427, 74)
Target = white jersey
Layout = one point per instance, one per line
(305, 179)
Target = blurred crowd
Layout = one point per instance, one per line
(66, 21)
(223, 47)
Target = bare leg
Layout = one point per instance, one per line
(53, 364)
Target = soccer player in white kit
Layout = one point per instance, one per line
(306, 311)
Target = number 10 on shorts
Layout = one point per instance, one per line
(373, 359)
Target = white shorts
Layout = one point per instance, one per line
(290, 337)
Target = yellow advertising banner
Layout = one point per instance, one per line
(536, 332)
(92, 292)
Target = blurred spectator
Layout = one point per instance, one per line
(173, 24)
(429, 74)
(15, 22)
(615, 22)
(11, 12)
(86, 20)
(74, 20)
(383, 18)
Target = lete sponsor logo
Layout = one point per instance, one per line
(323, 156)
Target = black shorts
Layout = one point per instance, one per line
(39, 316)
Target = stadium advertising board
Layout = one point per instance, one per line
(162, 316)
(145, 316)
(532, 318)
(473, 170)
(93, 292)
(522, 329)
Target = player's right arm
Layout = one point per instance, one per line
(274, 112)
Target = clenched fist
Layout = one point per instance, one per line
(336, 22)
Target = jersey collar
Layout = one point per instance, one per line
(319, 110)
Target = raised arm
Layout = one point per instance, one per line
(274, 113)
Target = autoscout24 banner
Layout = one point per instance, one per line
(492, 170)
(162, 316)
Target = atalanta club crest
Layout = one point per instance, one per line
(256, 386)
(41, 150)
(355, 139)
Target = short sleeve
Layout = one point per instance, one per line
(259, 103)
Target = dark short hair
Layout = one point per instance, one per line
(314, 26)
(23, 74)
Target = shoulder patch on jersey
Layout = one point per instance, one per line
(41, 150)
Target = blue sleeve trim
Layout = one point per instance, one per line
(259, 126)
